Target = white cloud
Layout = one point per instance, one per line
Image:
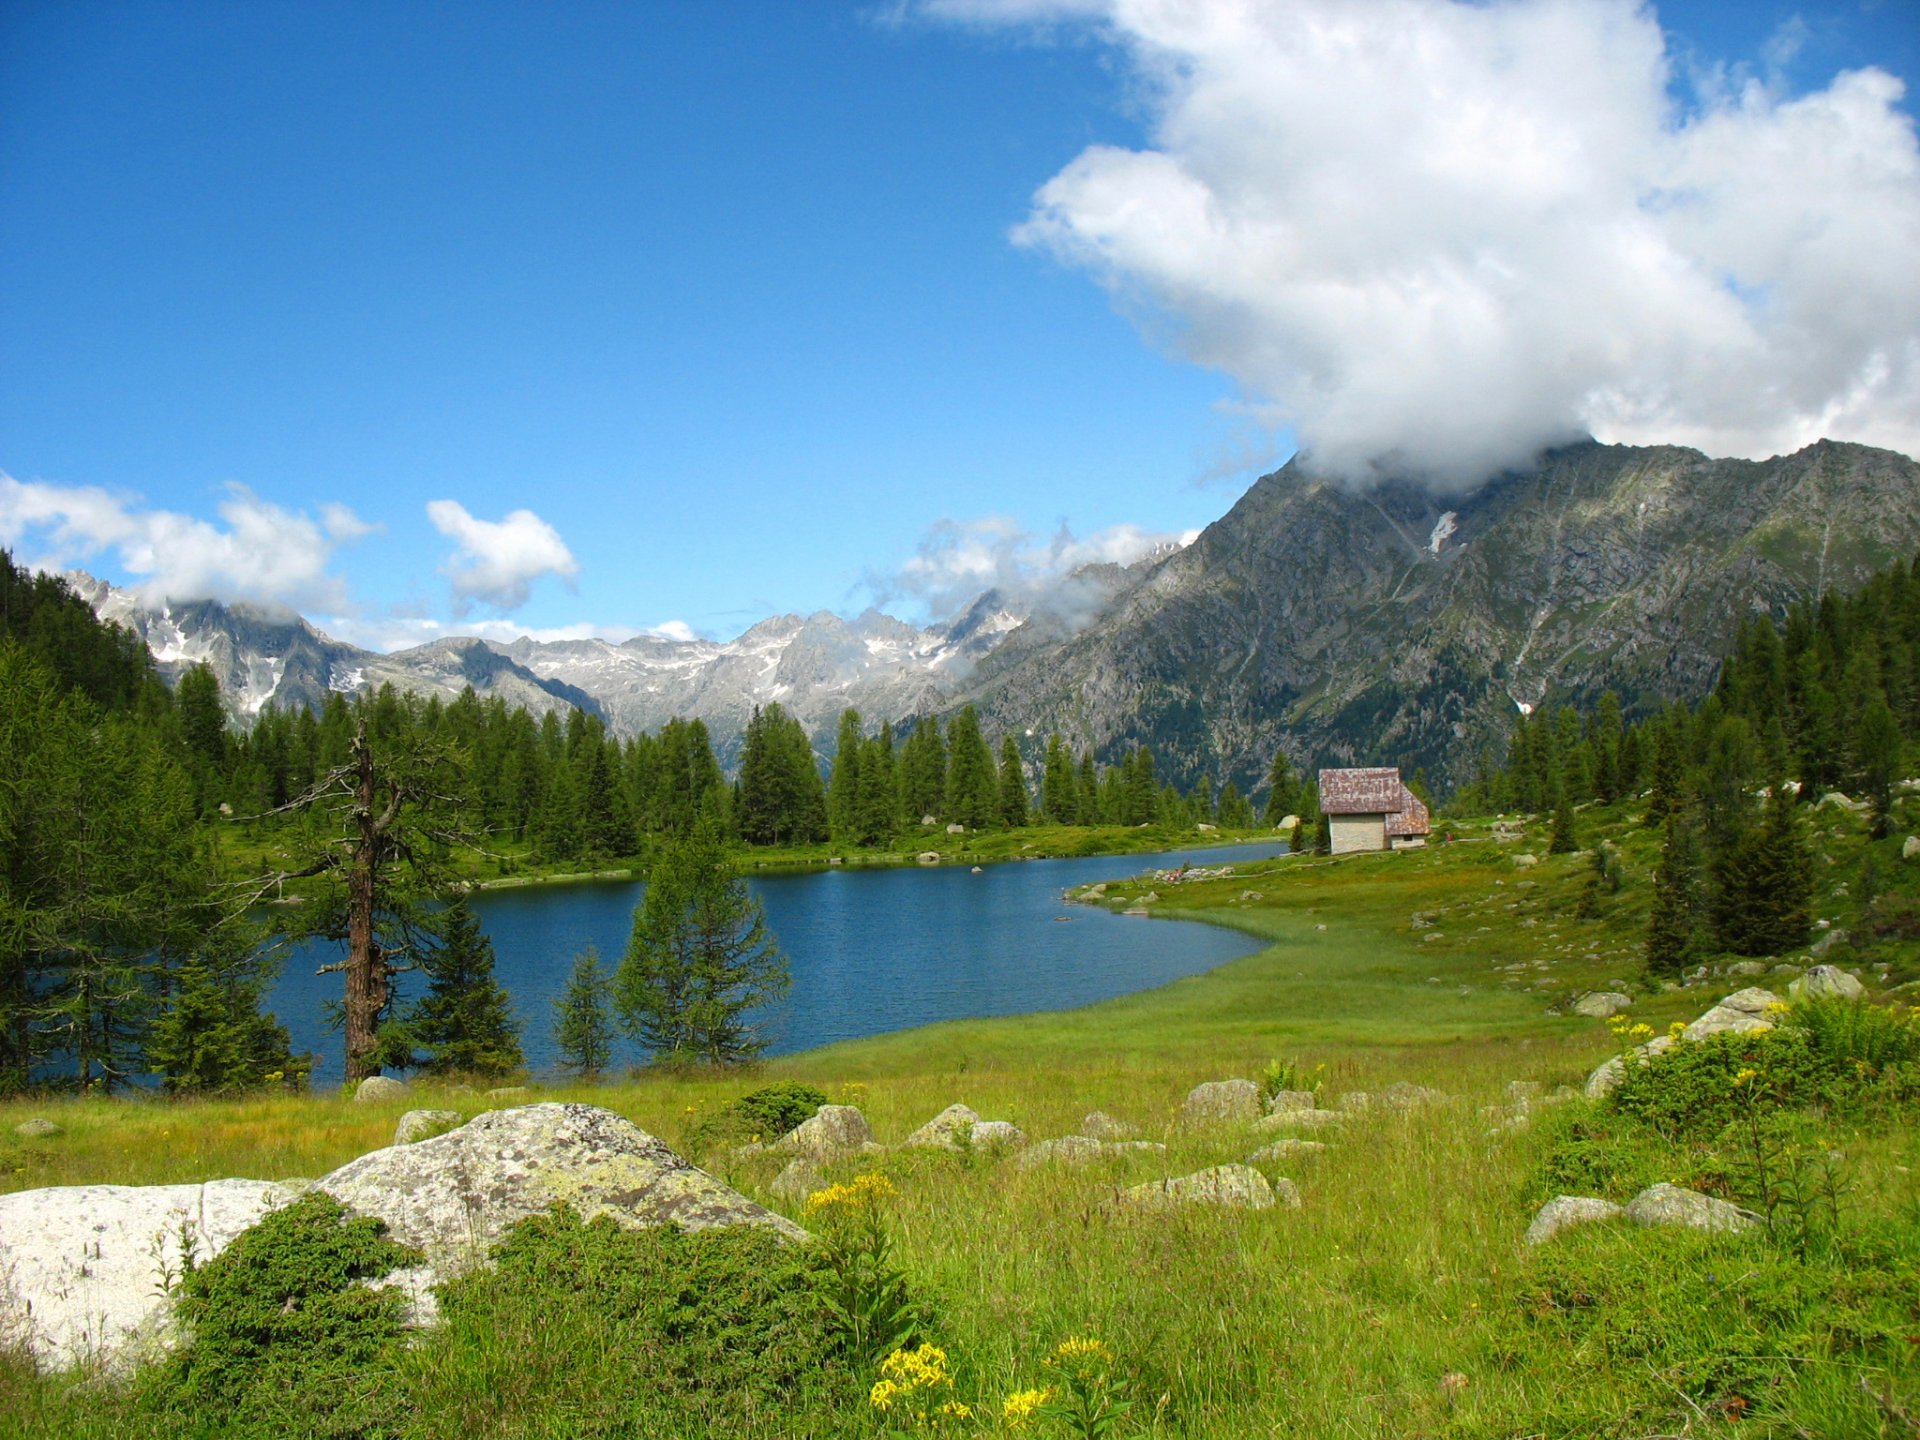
(498, 561)
(957, 560)
(393, 631)
(1438, 236)
(262, 552)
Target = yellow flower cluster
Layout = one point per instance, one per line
(856, 1196)
(1020, 1409)
(911, 1379)
(1778, 1007)
(1745, 1075)
(1081, 1356)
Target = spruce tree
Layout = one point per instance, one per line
(877, 805)
(1013, 785)
(923, 772)
(843, 790)
(1283, 790)
(1057, 789)
(1876, 749)
(1564, 841)
(1673, 928)
(211, 1036)
(582, 1019)
(972, 785)
(464, 1024)
(1143, 792)
(700, 959)
(1087, 792)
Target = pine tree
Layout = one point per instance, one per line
(582, 1019)
(972, 786)
(1564, 841)
(843, 790)
(1087, 792)
(1876, 748)
(1283, 790)
(1057, 790)
(1673, 928)
(700, 958)
(1766, 904)
(923, 772)
(1013, 785)
(211, 1035)
(878, 802)
(1143, 792)
(464, 1024)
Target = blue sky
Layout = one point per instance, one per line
(753, 307)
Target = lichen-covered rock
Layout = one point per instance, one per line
(1084, 1150)
(797, 1180)
(1827, 982)
(1220, 1102)
(1284, 1102)
(86, 1267)
(1599, 1004)
(1911, 849)
(830, 1133)
(452, 1196)
(1564, 1211)
(424, 1125)
(1740, 1012)
(1608, 1074)
(1672, 1205)
(1236, 1187)
(1354, 1102)
(949, 1130)
(377, 1089)
(1281, 1151)
(1284, 1120)
(1747, 969)
(38, 1128)
(1405, 1095)
(1102, 1126)
(996, 1135)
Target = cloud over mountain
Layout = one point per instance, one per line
(1438, 236)
(498, 560)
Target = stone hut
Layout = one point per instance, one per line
(1371, 809)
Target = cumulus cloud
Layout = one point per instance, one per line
(958, 560)
(261, 552)
(498, 560)
(1435, 236)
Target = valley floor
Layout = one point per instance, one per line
(1397, 1300)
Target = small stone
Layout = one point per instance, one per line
(38, 1128)
(1083, 1150)
(1671, 1205)
(1237, 1187)
(928, 857)
(1281, 1151)
(1521, 1092)
(1564, 1211)
(1911, 849)
(1525, 862)
(1221, 1102)
(946, 1131)
(996, 1135)
(1746, 969)
(1286, 1101)
(1827, 941)
(376, 1089)
(829, 1133)
(424, 1125)
(1102, 1126)
(798, 1179)
(1827, 982)
(1607, 1077)
(1354, 1101)
(1404, 1095)
(1599, 1004)
(1741, 1012)
(1297, 1120)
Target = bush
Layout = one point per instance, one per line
(768, 1113)
(603, 1332)
(283, 1339)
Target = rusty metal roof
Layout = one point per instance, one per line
(1360, 792)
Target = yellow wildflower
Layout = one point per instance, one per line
(1641, 1032)
(1778, 1007)
(1019, 1409)
(1744, 1076)
(880, 1397)
(1677, 1029)
(917, 1369)
(1081, 1356)
(959, 1409)
(860, 1194)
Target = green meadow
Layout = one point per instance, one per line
(1397, 1300)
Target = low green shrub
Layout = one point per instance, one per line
(766, 1113)
(283, 1339)
(606, 1332)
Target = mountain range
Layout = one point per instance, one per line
(1389, 624)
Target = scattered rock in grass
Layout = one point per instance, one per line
(946, 1131)
(378, 1088)
(1522, 1092)
(452, 1196)
(1599, 1004)
(1102, 1126)
(1832, 938)
(1354, 1101)
(1671, 1205)
(797, 1180)
(1281, 1151)
(1565, 1211)
(1297, 1120)
(1911, 849)
(1740, 1012)
(1235, 1187)
(996, 1135)
(928, 857)
(1788, 972)
(829, 1133)
(1525, 862)
(1405, 1095)
(1084, 1149)
(88, 1264)
(1746, 969)
(1221, 1102)
(38, 1128)
(1283, 1102)
(1607, 1077)
(508, 1092)
(1826, 982)
(424, 1125)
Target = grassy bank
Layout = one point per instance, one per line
(1398, 1300)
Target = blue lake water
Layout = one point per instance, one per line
(870, 950)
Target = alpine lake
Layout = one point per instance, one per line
(871, 949)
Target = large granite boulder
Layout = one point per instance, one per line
(1565, 1211)
(1826, 982)
(424, 1125)
(830, 1133)
(1672, 1205)
(36, 1128)
(1599, 1004)
(1221, 1102)
(959, 1127)
(452, 1196)
(1285, 1102)
(85, 1269)
(1085, 1149)
(1740, 1012)
(1608, 1074)
(1233, 1187)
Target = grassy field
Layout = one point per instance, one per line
(1398, 1300)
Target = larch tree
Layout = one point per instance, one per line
(583, 1017)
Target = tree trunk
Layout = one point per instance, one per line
(367, 973)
